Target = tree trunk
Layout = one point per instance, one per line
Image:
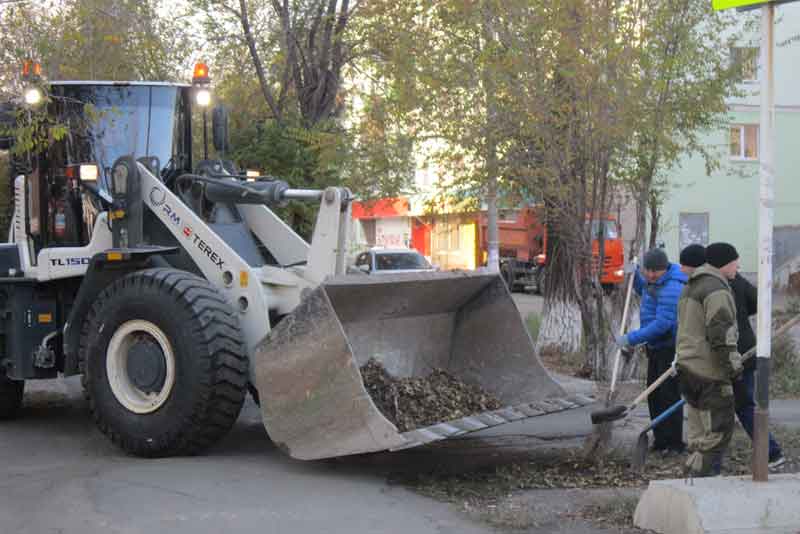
(561, 327)
(641, 222)
(655, 218)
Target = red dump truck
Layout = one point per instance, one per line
(523, 242)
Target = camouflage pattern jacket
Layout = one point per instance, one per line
(707, 331)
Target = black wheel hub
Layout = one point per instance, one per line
(146, 367)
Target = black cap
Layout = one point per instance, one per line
(721, 254)
(693, 255)
(655, 259)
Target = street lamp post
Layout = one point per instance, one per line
(765, 223)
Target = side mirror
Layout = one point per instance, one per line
(219, 129)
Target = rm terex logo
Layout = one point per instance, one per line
(69, 262)
(159, 198)
(173, 217)
(206, 249)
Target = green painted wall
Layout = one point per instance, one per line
(730, 196)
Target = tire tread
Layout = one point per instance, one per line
(220, 400)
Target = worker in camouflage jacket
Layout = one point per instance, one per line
(708, 359)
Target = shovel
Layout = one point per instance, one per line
(643, 443)
(614, 413)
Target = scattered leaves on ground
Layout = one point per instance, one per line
(617, 513)
(493, 486)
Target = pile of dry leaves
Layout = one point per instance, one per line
(416, 402)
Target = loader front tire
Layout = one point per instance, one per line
(164, 364)
(11, 392)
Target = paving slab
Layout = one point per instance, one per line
(721, 505)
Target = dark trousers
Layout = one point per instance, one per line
(669, 433)
(745, 413)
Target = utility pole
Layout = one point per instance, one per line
(493, 241)
(765, 222)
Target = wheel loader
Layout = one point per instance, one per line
(172, 287)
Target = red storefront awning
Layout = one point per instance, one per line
(381, 208)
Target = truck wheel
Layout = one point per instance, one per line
(163, 361)
(540, 282)
(508, 276)
(10, 396)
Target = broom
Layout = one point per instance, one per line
(601, 433)
(643, 442)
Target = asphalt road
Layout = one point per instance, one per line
(59, 474)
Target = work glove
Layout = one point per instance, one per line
(736, 365)
(631, 267)
(622, 341)
(741, 397)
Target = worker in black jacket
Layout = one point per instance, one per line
(746, 297)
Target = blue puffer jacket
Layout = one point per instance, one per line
(658, 314)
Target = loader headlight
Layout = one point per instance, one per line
(33, 96)
(88, 173)
(203, 97)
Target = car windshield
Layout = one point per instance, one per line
(393, 261)
(125, 120)
(610, 228)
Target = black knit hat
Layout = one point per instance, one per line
(693, 255)
(721, 254)
(656, 260)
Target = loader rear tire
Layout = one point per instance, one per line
(163, 361)
(11, 392)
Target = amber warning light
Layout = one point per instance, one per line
(31, 69)
(200, 73)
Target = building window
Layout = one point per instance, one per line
(746, 57)
(744, 141)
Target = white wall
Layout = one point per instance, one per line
(394, 232)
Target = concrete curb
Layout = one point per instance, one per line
(721, 505)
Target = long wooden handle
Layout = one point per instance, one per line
(658, 381)
(671, 371)
(622, 325)
(785, 327)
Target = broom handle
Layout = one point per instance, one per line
(673, 371)
(785, 327)
(622, 325)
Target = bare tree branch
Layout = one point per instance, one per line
(262, 80)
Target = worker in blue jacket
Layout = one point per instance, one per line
(660, 285)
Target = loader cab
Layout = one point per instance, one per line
(69, 182)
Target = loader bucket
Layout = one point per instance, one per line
(313, 401)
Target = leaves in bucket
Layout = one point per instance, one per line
(416, 402)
